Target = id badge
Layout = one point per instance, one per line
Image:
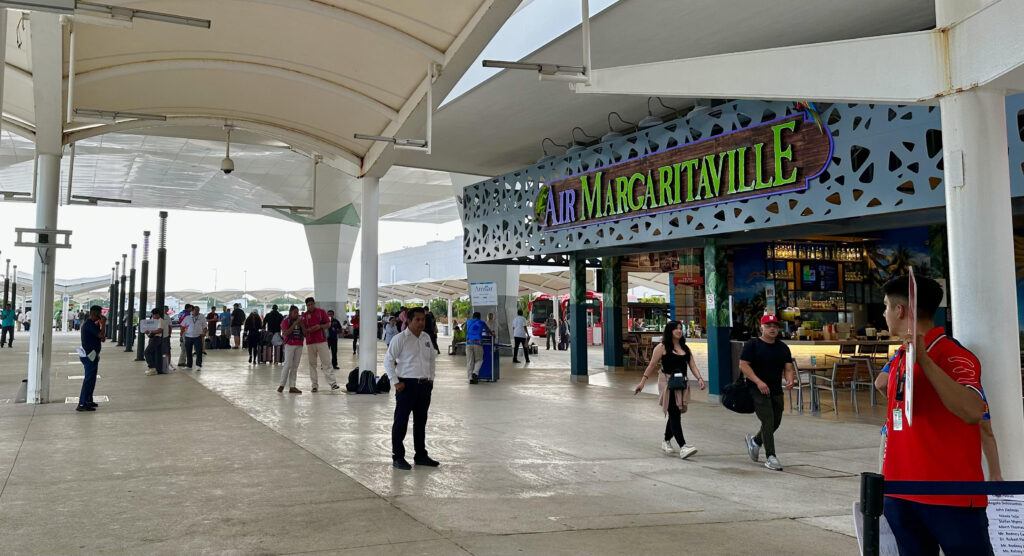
(897, 419)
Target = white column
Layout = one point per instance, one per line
(41, 334)
(982, 283)
(368, 276)
(451, 330)
(331, 247)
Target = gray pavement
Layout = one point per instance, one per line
(222, 463)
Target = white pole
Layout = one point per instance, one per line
(981, 255)
(368, 276)
(42, 282)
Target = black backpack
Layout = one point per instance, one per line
(353, 380)
(737, 397)
(367, 383)
(383, 384)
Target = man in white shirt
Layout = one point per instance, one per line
(194, 327)
(410, 366)
(522, 337)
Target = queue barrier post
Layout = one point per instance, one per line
(874, 487)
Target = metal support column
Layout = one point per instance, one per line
(143, 283)
(981, 255)
(578, 319)
(161, 263)
(129, 326)
(368, 275)
(716, 278)
(614, 310)
(115, 319)
(121, 321)
(41, 335)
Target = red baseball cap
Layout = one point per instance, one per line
(769, 319)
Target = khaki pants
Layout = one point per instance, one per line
(474, 359)
(313, 351)
(292, 357)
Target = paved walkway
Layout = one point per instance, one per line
(222, 463)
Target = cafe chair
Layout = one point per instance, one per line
(803, 380)
(845, 352)
(862, 366)
(841, 377)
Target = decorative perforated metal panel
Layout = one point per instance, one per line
(887, 159)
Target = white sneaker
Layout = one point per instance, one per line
(773, 464)
(687, 451)
(151, 372)
(753, 450)
(198, 368)
(666, 447)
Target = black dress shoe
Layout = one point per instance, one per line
(402, 464)
(93, 404)
(87, 408)
(426, 462)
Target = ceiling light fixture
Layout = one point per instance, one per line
(227, 165)
(557, 72)
(612, 134)
(56, 6)
(650, 120)
(128, 14)
(577, 145)
(545, 158)
(306, 211)
(421, 145)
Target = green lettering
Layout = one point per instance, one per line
(665, 185)
(591, 198)
(621, 194)
(732, 172)
(711, 175)
(783, 154)
(741, 172)
(609, 199)
(651, 200)
(676, 181)
(758, 182)
(689, 166)
(634, 202)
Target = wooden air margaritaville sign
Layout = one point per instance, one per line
(770, 158)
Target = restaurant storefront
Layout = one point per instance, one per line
(758, 207)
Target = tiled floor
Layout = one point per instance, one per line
(531, 464)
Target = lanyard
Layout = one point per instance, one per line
(901, 376)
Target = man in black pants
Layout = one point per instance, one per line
(763, 362)
(332, 338)
(410, 365)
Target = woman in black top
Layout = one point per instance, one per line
(253, 326)
(674, 356)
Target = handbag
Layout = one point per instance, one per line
(277, 340)
(677, 381)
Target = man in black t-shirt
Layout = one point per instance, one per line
(763, 362)
(237, 320)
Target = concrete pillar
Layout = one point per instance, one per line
(122, 292)
(980, 231)
(614, 307)
(368, 275)
(43, 273)
(716, 279)
(506, 278)
(331, 247)
(129, 331)
(451, 329)
(578, 319)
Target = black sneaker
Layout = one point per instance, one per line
(88, 408)
(402, 464)
(335, 386)
(425, 461)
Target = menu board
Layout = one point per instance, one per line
(819, 277)
(1006, 524)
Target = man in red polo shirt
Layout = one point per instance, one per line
(314, 323)
(944, 441)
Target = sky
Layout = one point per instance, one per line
(238, 250)
(211, 250)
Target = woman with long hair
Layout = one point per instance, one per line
(253, 327)
(674, 356)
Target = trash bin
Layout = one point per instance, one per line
(491, 368)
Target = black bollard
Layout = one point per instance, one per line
(112, 318)
(161, 262)
(121, 300)
(129, 331)
(7, 283)
(872, 498)
(143, 314)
